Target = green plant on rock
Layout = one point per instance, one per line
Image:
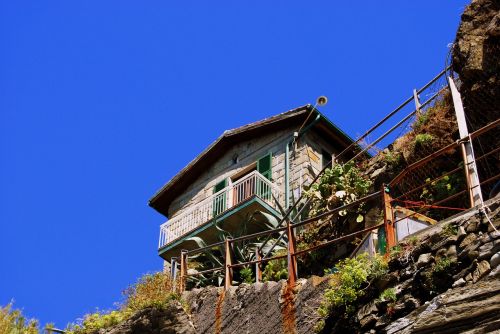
(388, 295)
(442, 265)
(348, 281)
(423, 139)
(450, 230)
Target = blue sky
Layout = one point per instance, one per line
(102, 102)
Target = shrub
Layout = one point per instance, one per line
(423, 139)
(276, 270)
(388, 295)
(346, 283)
(13, 322)
(151, 290)
(247, 275)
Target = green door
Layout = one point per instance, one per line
(382, 241)
(264, 168)
(219, 204)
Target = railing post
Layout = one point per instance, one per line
(182, 285)
(417, 102)
(258, 271)
(388, 219)
(228, 277)
(471, 175)
(292, 260)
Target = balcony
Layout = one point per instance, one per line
(253, 186)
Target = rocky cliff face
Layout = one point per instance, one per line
(446, 281)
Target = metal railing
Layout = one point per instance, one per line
(251, 185)
(386, 196)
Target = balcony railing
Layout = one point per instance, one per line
(253, 184)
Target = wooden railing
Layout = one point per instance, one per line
(253, 184)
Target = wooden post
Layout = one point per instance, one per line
(258, 271)
(471, 175)
(228, 278)
(182, 285)
(292, 260)
(388, 219)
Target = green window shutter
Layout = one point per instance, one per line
(219, 204)
(221, 185)
(264, 166)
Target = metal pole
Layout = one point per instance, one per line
(471, 174)
(228, 277)
(292, 260)
(258, 271)
(182, 285)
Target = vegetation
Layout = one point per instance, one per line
(276, 270)
(423, 139)
(340, 185)
(151, 290)
(243, 251)
(388, 295)
(12, 321)
(348, 283)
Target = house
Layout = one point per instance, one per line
(261, 166)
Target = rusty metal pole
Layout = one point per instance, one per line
(258, 271)
(292, 260)
(182, 284)
(388, 219)
(228, 277)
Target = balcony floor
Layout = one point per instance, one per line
(229, 220)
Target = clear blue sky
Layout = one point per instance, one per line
(102, 102)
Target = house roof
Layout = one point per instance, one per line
(162, 199)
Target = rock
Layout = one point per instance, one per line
(487, 250)
(441, 253)
(461, 233)
(452, 252)
(458, 283)
(424, 259)
(411, 303)
(468, 240)
(468, 309)
(472, 227)
(495, 260)
(367, 310)
(368, 321)
(482, 269)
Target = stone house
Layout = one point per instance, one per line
(261, 166)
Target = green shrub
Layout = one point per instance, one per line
(346, 283)
(13, 322)
(442, 265)
(276, 270)
(388, 295)
(423, 139)
(247, 275)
